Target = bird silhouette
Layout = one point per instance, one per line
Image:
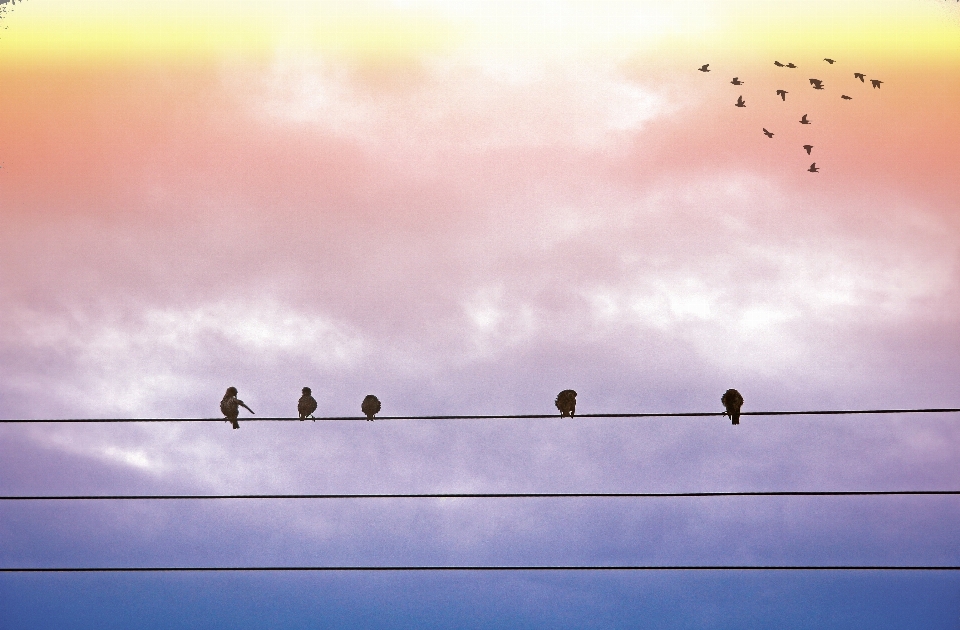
(737, 81)
(767, 133)
(846, 98)
(732, 401)
(813, 168)
(791, 65)
(830, 61)
(778, 64)
(804, 121)
(859, 75)
(230, 406)
(704, 68)
(875, 83)
(782, 94)
(817, 84)
(307, 404)
(808, 147)
(566, 402)
(740, 102)
(370, 406)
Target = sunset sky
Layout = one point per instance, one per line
(464, 208)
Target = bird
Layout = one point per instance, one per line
(830, 61)
(875, 83)
(804, 121)
(704, 68)
(732, 401)
(370, 406)
(566, 402)
(782, 94)
(740, 102)
(813, 168)
(736, 81)
(859, 75)
(230, 406)
(307, 404)
(808, 147)
(846, 98)
(817, 84)
(791, 65)
(778, 64)
(767, 133)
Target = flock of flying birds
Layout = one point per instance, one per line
(816, 84)
(566, 403)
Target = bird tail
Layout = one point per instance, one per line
(236, 425)
(735, 418)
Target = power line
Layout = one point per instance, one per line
(484, 495)
(487, 568)
(833, 412)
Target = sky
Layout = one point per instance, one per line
(465, 208)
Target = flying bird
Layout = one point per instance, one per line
(875, 82)
(370, 406)
(740, 102)
(813, 168)
(704, 68)
(778, 64)
(817, 84)
(732, 401)
(566, 402)
(804, 121)
(782, 94)
(790, 65)
(808, 147)
(737, 81)
(859, 75)
(767, 133)
(830, 61)
(307, 404)
(230, 406)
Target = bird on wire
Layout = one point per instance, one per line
(808, 147)
(566, 402)
(804, 121)
(740, 102)
(859, 75)
(846, 98)
(370, 406)
(704, 68)
(732, 401)
(876, 83)
(230, 406)
(830, 61)
(813, 168)
(736, 81)
(767, 133)
(307, 404)
(817, 84)
(782, 94)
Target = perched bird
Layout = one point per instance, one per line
(704, 68)
(791, 65)
(778, 64)
(736, 81)
(846, 98)
(859, 75)
(813, 168)
(230, 406)
(875, 83)
(817, 84)
(566, 402)
(808, 147)
(767, 133)
(782, 94)
(307, 404)
(370, 406)
(732, 401)
(830, 61)
(804, 121)
(740, 102)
